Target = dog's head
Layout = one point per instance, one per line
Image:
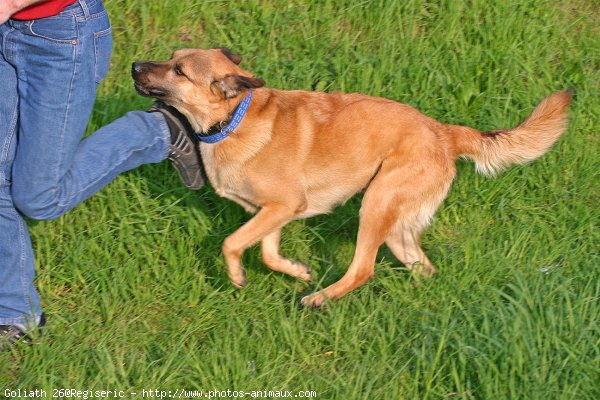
(201, 84)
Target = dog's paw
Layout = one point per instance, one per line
(293, 268)
(301, 271)
(314, 300)
(239, 279)
(424, 270)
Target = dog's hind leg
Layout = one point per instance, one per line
(405, 244)
(378, 213)
(404, 240)
(405, 192)
(273, 260)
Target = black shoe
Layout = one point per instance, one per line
(184, 152)
(11, 334)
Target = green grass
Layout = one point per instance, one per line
(135, 287)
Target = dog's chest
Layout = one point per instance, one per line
(226, 178)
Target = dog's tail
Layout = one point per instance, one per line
(495, 150)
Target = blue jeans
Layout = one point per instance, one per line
(49, 71)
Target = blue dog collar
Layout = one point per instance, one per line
(240, 112)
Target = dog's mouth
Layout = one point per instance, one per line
(149, 91)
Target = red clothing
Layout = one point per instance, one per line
(46, 8)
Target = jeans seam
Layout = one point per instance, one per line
(97, 36)
(11, 132)
(9, 51)
(92, 16)
(12, 321)
(23, 261)
(4, 41)
(79, 13)
(67, 113)
(102, 32)
(10, 138)
(59, 41)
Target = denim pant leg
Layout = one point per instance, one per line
(60, 63)
(18, 297)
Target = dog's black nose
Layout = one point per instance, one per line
(137, 67)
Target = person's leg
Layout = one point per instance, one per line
(60, 61)
(19, 300)
(50, 69)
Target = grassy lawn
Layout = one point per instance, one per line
(136, 290)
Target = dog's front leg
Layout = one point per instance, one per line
(273, 260)
(268, 219)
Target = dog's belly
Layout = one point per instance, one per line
(322, 198)
(324, 201)
(245, 203)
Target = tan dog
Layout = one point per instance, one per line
(297, 154)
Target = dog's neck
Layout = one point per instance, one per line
(199, 119)
(204, 119)
(219, 130)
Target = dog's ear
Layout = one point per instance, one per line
(232, 56)
(232, 85)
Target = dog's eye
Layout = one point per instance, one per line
(178, 70)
